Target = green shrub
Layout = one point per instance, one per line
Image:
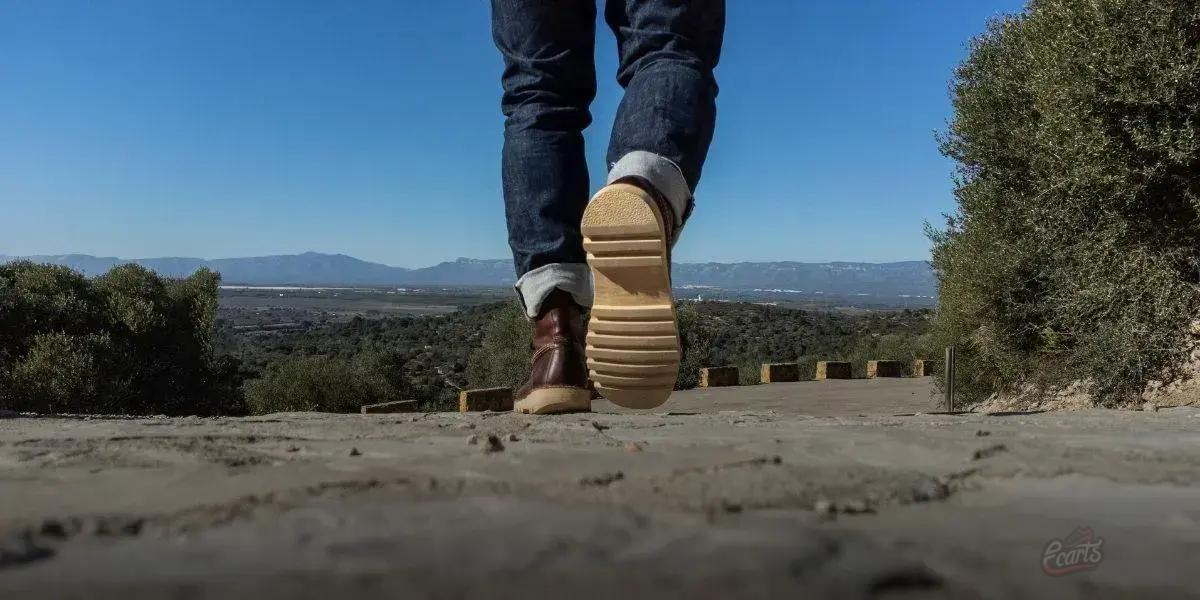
(1073, 253)
(62, 373)
(750, 371)
(696, 339)
(502, 358)
(38, 299)
(321, 384)
(128, 342)
(892, 346)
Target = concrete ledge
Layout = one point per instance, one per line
(400, 406)
(498, 399)
(718, 377)
(884, 368)
(779, 372)
(925, 368)
(829, 369)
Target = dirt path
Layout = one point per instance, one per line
(767, 491)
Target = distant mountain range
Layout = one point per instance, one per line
(909, 278)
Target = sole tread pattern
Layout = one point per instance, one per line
(633, 343)
(626, 355)
(634, 327)
(634, 313)
(624, 262)
(624, 382)
(615, 368)
(636, 342)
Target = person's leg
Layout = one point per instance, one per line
(668, 49)
(549, 80)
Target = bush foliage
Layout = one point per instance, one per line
(131, 342)
(1073, 253)
(502, 358)
(127, 342)
(325, 384)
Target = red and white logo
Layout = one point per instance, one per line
(1082, 550)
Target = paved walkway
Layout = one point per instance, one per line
(765, 491)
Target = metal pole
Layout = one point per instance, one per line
(949, 383)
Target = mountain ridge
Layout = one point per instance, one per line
(901, 278)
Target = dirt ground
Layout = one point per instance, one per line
(823, 489)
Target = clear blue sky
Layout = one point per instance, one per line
(221, 128)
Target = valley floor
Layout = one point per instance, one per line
(838, 488)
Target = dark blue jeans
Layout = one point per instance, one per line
(668, 50)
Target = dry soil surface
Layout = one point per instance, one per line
(835, 489)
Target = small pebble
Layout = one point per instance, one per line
(930, 490)
(293, 448)
(603, 480)
(988, 452)
(512, 437)
(493, 444)
(982, 433)
(823, 507)
(854, 507)
(355, 452)
(632, 447)
(472, 439)
(55, 529)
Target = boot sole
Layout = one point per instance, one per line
(633, 349)
(555, 400)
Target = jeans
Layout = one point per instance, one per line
(664, 125)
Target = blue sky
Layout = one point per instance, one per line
(222, 128)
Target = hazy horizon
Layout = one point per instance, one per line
(440, 261)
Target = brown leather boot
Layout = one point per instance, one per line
(558, 377)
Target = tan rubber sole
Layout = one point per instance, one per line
(552, 401)
(633, 349)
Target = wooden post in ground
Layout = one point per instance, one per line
(924, 367)
(497, 399)
(828, 369)
(949, 383)
(884, 368)
(718, 377)
(400, 406)
(779, 372)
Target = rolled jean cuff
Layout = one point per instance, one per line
(572, 278)
(662, 173)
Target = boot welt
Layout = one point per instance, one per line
(555, 400)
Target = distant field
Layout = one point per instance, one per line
(251, 307)
(806, 300)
